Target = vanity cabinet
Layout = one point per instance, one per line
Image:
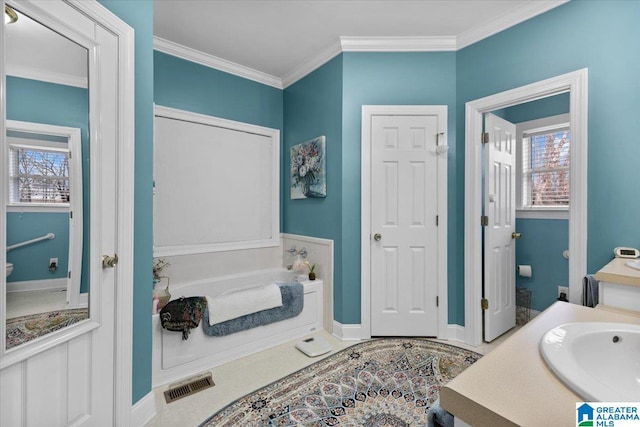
(619, 285)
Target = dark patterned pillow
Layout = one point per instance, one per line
(183, 314)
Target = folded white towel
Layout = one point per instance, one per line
(240, 303)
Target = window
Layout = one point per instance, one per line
(38, 175)
(543, 168)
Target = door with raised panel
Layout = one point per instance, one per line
(404, 243)
(499, 240)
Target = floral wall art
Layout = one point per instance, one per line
(308, 169)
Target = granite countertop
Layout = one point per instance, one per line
(512, 386)
(617, 272)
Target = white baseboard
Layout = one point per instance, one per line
(353, 332)
(455, 332)
(37, 285)
(143, 411)
(347, 332)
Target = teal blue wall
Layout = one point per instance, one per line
(54, 104)
(545, 107)
(541, 246)
(139, 15)
(313, 107)
(193, 87)
(389, 79)
(595, 34)
(32, 262)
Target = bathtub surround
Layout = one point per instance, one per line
(175, 359)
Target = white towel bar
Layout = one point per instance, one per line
(48, 236)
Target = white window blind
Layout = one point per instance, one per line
(546, 158)
(38, 175)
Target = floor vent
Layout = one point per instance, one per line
(188, 387)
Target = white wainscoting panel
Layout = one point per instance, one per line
(48, 389)
(195, 267)
(319, 252)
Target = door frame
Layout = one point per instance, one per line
(125, 179)
(576, 83)
(368, 111)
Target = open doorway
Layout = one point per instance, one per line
(575, 85)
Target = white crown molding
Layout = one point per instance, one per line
(207, 60)
(47, 76)
(316, 62)
(508, 20)
(363, 44)
(398, 44)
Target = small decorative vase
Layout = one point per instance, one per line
(164, 296)
(312, 276)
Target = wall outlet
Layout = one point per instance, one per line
(563, 290)
(53, 261)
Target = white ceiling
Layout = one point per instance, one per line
(283, 40)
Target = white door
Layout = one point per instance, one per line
(68, 376)
(499, 243)
(404, 237)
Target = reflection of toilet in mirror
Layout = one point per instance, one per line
(9, 269)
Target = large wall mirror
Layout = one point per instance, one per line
(47, 154)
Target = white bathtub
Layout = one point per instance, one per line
(175, 359)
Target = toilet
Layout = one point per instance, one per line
(9, 268)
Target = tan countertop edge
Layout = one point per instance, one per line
(512, 386)
(617, 272)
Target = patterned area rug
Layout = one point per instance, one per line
(383, 382)
(26, 328)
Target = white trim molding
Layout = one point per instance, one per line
(368, 112)
(312, 64)
(576, 83)
(37, 285)
(351, 332)
(398, 44)
(47, 76)
(125, 193)
(361, 44)
(505, 21)
(144, 410)
(189, 54)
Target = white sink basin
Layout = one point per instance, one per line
(599, 361)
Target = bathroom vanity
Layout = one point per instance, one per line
(512, 385)
(619, 285)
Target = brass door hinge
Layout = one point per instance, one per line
(485, 137)
(484, 303)
(484, 220)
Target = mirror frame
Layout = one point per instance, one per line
(30, 348)
(124, 178)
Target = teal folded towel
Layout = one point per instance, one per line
(438, 417)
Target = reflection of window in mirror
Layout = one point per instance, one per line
(39, 174)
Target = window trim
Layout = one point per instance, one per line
(533, 127)
(73, 145)
(38, 145)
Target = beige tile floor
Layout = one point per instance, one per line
(240, 377)
(32, 302)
